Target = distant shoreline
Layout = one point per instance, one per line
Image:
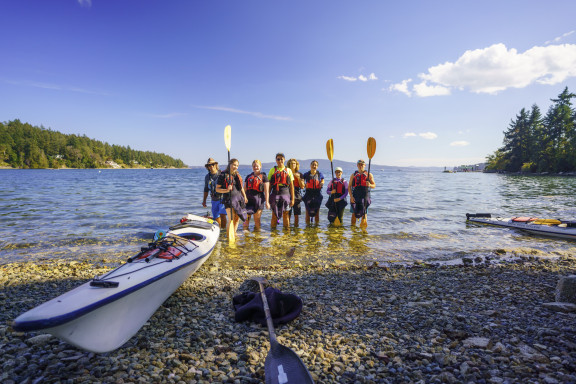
(63, 169)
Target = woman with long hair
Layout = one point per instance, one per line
(230, 185)
(294, 165)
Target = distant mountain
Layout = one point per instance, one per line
(324, 166)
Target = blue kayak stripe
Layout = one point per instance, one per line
(34, 325)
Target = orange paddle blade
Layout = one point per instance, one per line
(371, 146)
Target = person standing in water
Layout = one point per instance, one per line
(337, 191)
(281, 191)
(257, 190)
(218, 209)
(313, 181)
(230, 185)
(360, 183)
(294, 166)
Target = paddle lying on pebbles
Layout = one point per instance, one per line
(282, 366)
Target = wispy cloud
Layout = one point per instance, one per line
(55, 87)
(370, 77)
(495, 69)
(559, 38)
(459, 143)
(255, 114)
(85, 3)
(424, 135)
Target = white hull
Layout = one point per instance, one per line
(535, 229)
(101, 319)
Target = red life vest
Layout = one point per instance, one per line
(279, 178)
(338, 186)
(229, 180)
(360, 179)
(254, 183)
(296, 182)
(314, 182)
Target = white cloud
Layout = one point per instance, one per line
(425, 90)
(459, 143)
(255, 114)
(425, 135)
(347, 78)
(495, 69)
(371, 77)
(402, 87)
(428, 135)
(557, 39)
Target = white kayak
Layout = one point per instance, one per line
(532, 225)
(104, 313)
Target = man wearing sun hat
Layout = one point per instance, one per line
(218, 209)
(360, 184)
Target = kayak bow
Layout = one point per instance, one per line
(104, 313)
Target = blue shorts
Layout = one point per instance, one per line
(217, 209)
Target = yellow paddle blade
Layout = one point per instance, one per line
(371, 147)
(228, 137)
(330, 149)
(364, 222)
(231, 234)
(337, 222)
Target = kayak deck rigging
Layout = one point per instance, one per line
(161, 249)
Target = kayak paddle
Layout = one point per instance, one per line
(227, 141)
(371, 149)
(330, 152)
(282, 365)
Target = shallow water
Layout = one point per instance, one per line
(414, 216)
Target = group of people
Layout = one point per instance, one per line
(282, 190)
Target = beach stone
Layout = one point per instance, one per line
(560, 307)
(566, 289)
(39, 340)
(477, 342)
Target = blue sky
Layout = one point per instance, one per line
(434, 82)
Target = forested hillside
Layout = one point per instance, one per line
(25, 146)
(536, 143)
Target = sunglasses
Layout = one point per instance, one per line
(279, 159)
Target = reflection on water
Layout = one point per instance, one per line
(109, 214)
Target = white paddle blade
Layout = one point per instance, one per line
(228, 137)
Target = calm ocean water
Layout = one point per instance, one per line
(109, 214)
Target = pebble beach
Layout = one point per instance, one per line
(477, 322)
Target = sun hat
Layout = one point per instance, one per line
(210, 161)
(281, 155)
(338, 169)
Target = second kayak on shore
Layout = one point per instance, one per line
(532, 225)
